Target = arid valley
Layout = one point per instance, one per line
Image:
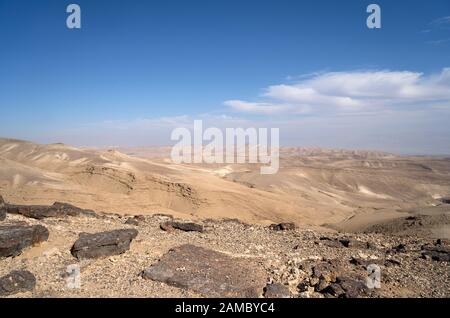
(312, 230)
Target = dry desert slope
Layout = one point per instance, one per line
(347, 190)
(136, 225)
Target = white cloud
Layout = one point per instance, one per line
(261, 108)
(443, 20)
(362, 91)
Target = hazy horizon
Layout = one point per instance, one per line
(131, 75)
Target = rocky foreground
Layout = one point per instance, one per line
(43, 247)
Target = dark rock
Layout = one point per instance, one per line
(330, 242)
(436, 253)
(303, 286)
(445, 200)
(139, 218)
(283, 227)
(276, 290)
(2, 209)
(14, 238)
(58, 209)
(364, 262)
(324, 274)
(392, 262)
(335, 289)
(443, 242)
(103, 244)
(17, 282)
(347, 287)
(352, 243)
(183, 226)
(210, 273)
(401, 248)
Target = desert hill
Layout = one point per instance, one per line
(341, 189)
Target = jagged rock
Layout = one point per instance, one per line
(17, 282)
(58, 209)
(436, 253)
(210, 273)
(445, 200)
(183, 226)
(283, 227)
(2, 209)
(14, 238)
(276, 290)
(347, 287)
(103, 244)
(324, 274)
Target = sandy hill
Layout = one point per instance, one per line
(349, 190)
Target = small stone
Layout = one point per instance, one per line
(352, 243)
(443, 242)
(132, 221)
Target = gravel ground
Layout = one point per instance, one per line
(284, 255)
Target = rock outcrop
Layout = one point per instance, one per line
(39, 212)
(103, 244)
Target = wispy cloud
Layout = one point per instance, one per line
(258, 108)
(441, 21)
(439, 42)
(359, 91)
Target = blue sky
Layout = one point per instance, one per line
(137, 68)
